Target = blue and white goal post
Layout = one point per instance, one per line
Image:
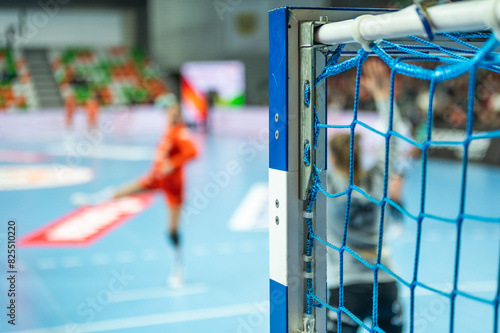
(299, 40)
(295, 60)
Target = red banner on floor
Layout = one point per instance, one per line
(85, 225)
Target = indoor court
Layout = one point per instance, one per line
(226, 284)
(88, 91)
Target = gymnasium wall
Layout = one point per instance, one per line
(57, 27)
(183, 30)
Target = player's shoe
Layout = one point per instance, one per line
(176, 278)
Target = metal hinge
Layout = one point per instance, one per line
(309, 325)
(309, 55)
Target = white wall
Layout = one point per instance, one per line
(61, 27)
(7, 17)
(184, 30)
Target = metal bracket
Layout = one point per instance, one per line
(307, 66)
(310, 55)
(309, 325)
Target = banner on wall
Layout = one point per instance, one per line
(208, 83)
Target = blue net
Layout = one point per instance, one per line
(453, 59)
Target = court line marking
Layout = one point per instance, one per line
(105, 151)
(247, 247)
(100, 259)
(470, 287)
(125, 256)
(158, 292)
(157, 319)
(71, 261)
(225, 248)
(200, 250)
(148, 254)
(251, 213)
(46, 263)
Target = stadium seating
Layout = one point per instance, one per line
(115, 76)
(16, 87)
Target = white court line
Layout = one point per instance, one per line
(46, 263)
(468, 287)
(149, 254)
(21, 266)
(109, 152)
(156, 319)
(71, 261)
(125, 256)
(100, 259)
(160, 292)
(251, 214)
(247, 247)
(225, 248)
(200, 250)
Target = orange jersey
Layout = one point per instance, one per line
(176, 148)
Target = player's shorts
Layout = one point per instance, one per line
(358, 299)
(171, 186)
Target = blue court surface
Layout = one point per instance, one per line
(118, 282)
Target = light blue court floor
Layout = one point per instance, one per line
(479, 261)
(117, 283)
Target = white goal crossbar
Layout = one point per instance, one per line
(414, 20)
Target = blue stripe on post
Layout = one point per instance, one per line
(278, 89)
(278, 300)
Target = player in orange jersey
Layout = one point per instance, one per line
(92, 106)
(69, 108)
(167, 175)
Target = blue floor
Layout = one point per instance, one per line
(118, 283)
(479, 262)
(75, 289)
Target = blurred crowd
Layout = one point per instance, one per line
(450, 100)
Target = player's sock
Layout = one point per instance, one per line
(174, 238)
(176, 277)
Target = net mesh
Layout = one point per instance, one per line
(452, 61)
